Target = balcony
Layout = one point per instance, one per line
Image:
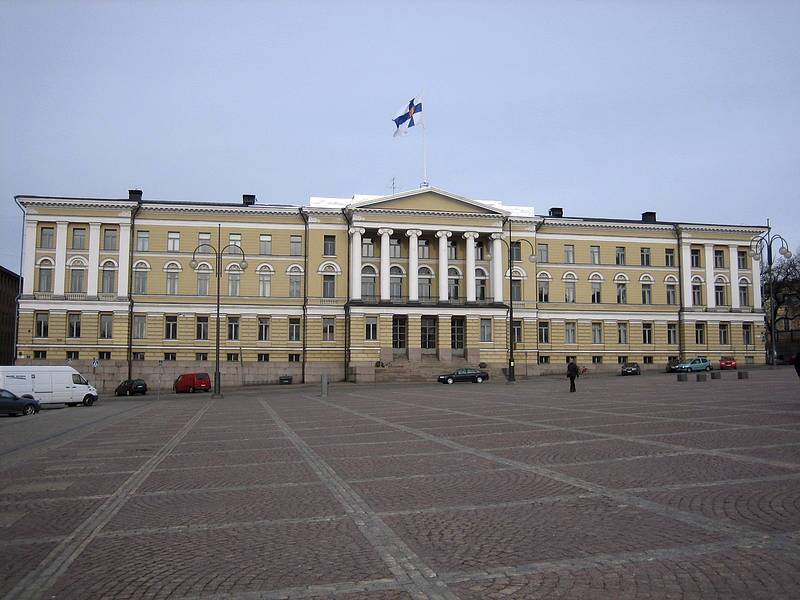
(43, 295)
(75, 296)
(423, 301)
(107, 297)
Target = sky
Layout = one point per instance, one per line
(606, 109)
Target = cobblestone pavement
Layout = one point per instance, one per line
(631, 488)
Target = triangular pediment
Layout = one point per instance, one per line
(429, 200)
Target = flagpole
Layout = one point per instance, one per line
(424, 152)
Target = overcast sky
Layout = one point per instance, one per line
(604, 108)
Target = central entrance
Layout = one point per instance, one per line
(399, 329)
(428, 335)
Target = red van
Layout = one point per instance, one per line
(192, 382)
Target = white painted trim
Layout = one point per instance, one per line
(337, 270)
(432, 228)
(265, 227)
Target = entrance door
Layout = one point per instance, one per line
(457, 336)
(428, 339)
(399, 344)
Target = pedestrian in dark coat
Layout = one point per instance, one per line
(797, 363)
(572, 373)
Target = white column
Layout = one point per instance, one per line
(711, 301)
(94, 259)
(61, 258)
(124, 259)
(734, 258)
(355, 262)
(29, 257)
(470, 236)
(497, 267)
(385, 289)
(413, 264)
(756, 269)
(686, 273)
(443, 265)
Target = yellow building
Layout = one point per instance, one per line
(384, 288)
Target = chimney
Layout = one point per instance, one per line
(248, 199)
(135, 195)
(556, 211)
(649, 217)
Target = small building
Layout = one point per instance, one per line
(9, 290)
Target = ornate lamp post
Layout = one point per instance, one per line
(758, 245)
(242, 265)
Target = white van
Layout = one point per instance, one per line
(48, 385)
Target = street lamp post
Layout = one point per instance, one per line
(758, 245)
(242, 265)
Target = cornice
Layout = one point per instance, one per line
(437, 213)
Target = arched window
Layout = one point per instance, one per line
(265, 272)
(108, 277)
(543, 286)
(697, 291)
(77, 276)
(140, 271)
(329, 271)
(295, 273)
(453, 283)
(622, 288)
(570, 280)
(720, 290)
(425, 283)
(596, 281)
(172, 270)
(396, 283)
(744, 291)
(516, 283)
(368, 278)
(234, 280)
(480, 284)
(45, 275)
(671, 284)
(203, 271)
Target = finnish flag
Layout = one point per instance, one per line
(409, 116)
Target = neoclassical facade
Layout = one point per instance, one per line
(368, 286)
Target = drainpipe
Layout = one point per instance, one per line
(681, 315)
(537, 227)
(347, 332)
(304, 216)
(132, 195)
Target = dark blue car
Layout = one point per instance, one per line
(12, 404)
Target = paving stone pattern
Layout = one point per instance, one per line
(635, 488)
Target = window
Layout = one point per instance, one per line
(203, 282)
(142, 241)
(265, 244)
(672, 293)
(77, 279)
(42, 324)
(329, 245)
(201, 328)
(648, 360)
(744, 296)
(295, 274)
(479, 250)
(622, 333)
(139, 327)
(453, 280)
(204, 243)
(371, 329)
(169, 356)
(104, 355)
(647, 293)
(201, 356)
(232, 357)
(108, 279)
(699, 333)
(569, 290)
(719, 259)
(570, 333)
(367, 248)
(620, 255)
(139, 281)
(669, 257)
(741, 258)
(424, 283)
(234, 241)
(137, 355)
(645, 257)
(172, 283)
(329, 286)
(597, 333)
(594, 253)
(516, 251)
(395, 283)
(295, 243)
(542, 253)
(695, 256)
(486, 330)
(697, 294)
(79, 238)
(597, 360)
(569, 253)
(171, 327)
(423, 249)
(622, 359)
(173, 241)
(597, 297)
(516, 331)
(719, 294)
(234, 281)
(544, 360)
(233, 328)
(543, 290)
(45, 277)
(110, 239)
(747, 334)
(74, 325)
(294, 330)
(672, 333)
(106, 326)
(40, 354)
(544, 332)
(47, 238)
(294, 358)
(368, 277)
(73, 355)
(263, 329)
(622, 293)
(452, 250)
(480, 284)
(394, 248)
(328, 331)
(647, 333)
(724, 334)
(263, 357)
(516, 290)
(264, 283)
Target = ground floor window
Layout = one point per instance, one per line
(263, 357)
(137, 356)
(622, 359)
(648, 360)
(597, 360)
(428, 333)
(294, 358)
(201, 356)
(40, 354)
(73, 354)
(169, 356)
(104, 355)
(371, 328)
(544, 360)
(233, 357)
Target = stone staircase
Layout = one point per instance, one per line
(425, 371)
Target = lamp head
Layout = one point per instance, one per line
(193, 263)
(243, 264)
(532, 258)
(785, 252)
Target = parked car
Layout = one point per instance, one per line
(465, 374)
(130, 387)
(12, 404)
(192, 382)
(672, 365)
(630, 368)
(727, 362)
(695, 364)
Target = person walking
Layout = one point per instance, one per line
(572, 373)
(797, 363)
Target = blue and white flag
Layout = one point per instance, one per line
(409, 116)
